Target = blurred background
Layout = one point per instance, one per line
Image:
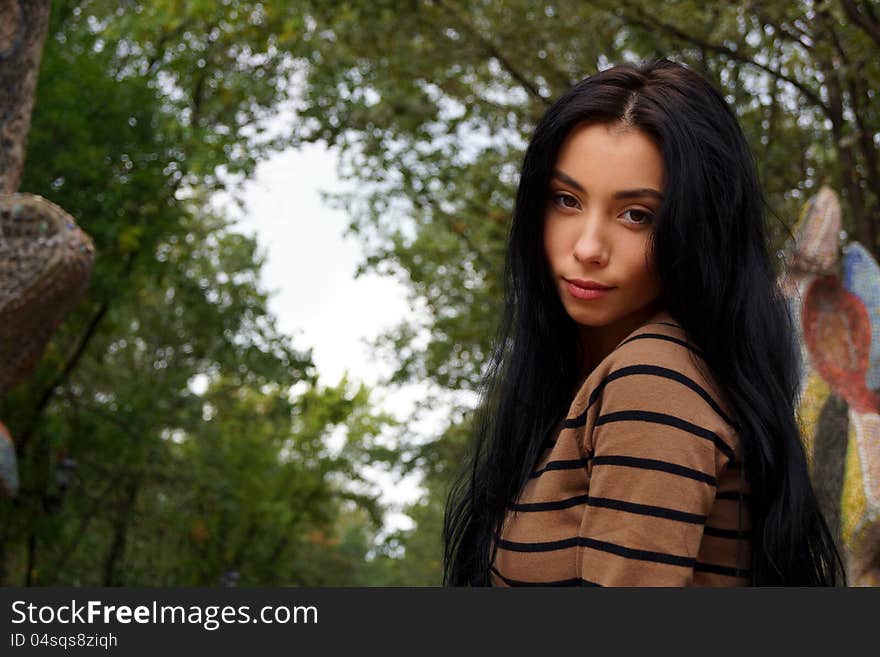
(298, 212)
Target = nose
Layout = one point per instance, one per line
(591, 242)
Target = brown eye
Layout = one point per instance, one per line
(640, 217)
(565, 201)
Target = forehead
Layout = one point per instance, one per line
(604, 157)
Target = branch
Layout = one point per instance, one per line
(771, 120)
(159, 52)
(651, 22)
(838, 46)
(865, 232)
(85, 520)
(794, 34)
(120, 533)
(72, 362)
(490, 47)
(866, 143)
(866, 20)
(462, 234)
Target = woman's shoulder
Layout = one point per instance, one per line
(658, 372)
(661, 342)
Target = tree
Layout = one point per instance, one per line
(131, 472)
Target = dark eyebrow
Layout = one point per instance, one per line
(623, 194)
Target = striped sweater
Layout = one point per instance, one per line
(641, 483)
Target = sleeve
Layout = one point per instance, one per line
(657, 445)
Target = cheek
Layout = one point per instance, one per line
(645, 265)
(640, 263)
(551, 238)
(560, 234)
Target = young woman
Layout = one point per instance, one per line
(638, 424)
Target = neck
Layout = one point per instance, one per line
(599, 341)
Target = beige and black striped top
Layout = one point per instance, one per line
(641, 486)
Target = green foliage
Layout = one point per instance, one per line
(172, 435)
(414, 557)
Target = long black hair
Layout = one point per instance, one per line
(710, 251)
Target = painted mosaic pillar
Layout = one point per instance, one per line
(834, 297)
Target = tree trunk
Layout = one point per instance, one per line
(120, 534)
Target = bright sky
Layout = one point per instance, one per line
(310, 267)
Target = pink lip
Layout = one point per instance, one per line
(586, 289)
(591, 285)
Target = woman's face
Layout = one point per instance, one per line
(605, 192)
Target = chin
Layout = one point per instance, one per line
(597, 317)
